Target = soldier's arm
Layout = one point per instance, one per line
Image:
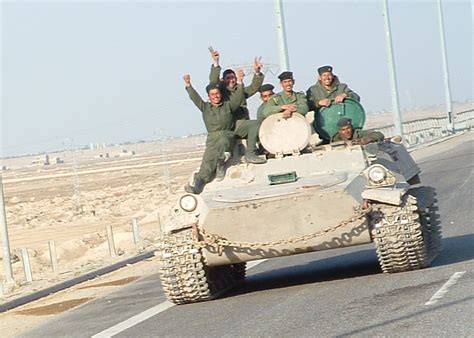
(214, 74)
(301, 104)
(260, 116)
(350, 93)
(195, 97)
(236, 98)
(312, 105)
(256, 83)
(272, 107)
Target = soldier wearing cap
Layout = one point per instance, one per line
(328, 89)
(287, 101)
(266, 92)
(243, 126)
(218, 119)
(347, 132)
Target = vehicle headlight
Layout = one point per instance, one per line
(188, 203)
(377, 174)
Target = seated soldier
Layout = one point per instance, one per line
(218, 116)
(266, 92)
(327, 89)
(287, 101)
(348, 133)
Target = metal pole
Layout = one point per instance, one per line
(447, 90)
(7, 263)
(397, 118)
(281, 33)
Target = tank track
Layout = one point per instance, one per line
(184, 276)
(405, 237)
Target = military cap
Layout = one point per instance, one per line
(266, 87)
(344, 122)
(212, 86)
(286, 76)
(227, 71)
(324, 69)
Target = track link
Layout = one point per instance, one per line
(184, 276)
(405, 237)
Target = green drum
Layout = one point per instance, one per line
(325, 120)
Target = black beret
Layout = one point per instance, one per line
(344, 122)
(227, 71)
(324, 69)
(212, 86)
(286, 76)
(266, 87)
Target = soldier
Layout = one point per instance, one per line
(243, 126)
(328, 89)
(348, 133)
(287, 101)
(266, 92)
(218, 119)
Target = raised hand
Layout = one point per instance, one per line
(258, 65)
(214, 55)
(187, 80)
(240, 76)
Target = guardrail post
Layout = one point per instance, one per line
(136, 235)
(110, 238)
(26, 265)
(53, 256)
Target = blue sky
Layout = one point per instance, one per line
(111, 71)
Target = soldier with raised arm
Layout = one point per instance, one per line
(287, 101)
(243, 126)
(218, 116)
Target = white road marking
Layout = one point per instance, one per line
(444, 289)
(137, 319)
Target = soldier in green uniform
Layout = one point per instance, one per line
(287, 101)
(348, 133)
(243, 126)
(328, 89)
(219, 120)
(266, 92)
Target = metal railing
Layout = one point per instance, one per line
(428, 129)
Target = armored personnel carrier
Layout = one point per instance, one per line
(306, 198)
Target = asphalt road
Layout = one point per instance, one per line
(333, 293)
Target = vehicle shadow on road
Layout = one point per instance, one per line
(355, 264)
(361, 263)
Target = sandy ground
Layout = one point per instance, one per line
(108, 186)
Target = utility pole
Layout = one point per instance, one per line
(281, 33)
(391, 71)
(447, 91)
(7, 263)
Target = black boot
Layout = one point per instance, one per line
(196, 188)
(251, 157)
(220, 171)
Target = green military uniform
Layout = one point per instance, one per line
(273, 105)
(243, 126)
(372, 135)
(219, 122)
(260, 110)
(318, 92)
(249, 91)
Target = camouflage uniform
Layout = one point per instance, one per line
(219, 122)
(372, 135)
(318, 92)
